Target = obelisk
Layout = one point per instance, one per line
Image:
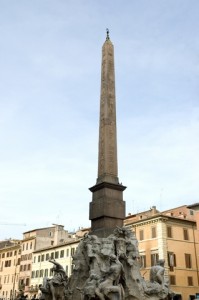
(107, 209)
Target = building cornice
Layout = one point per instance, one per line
(57, 246)
(159, 218)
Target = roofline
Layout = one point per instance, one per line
(57, 246)
(161, 215)
(185, 205)
(39, 229)
(192, 205)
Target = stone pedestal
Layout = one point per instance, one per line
(107, 209)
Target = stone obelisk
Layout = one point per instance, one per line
(107, 209)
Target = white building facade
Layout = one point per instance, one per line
(41, 267)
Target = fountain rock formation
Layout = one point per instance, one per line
(107, 268)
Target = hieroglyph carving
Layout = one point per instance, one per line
(107, 135)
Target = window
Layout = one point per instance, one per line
(31, 245)
(3, 255)
(154, 259)
(52, 255)
(143, 261)
(37, 274)
(27, 281)
(21, 282)
(61, 253)
(46, 273)
(42, 257)
(191, 212)
(15, 253)
(10, 254)
(185, 234)
(171, 260)
(28, 267)
(67, 270)
(51, 272)
(52, 243)
(8, 279)
(169, 232)
(27, 246)
(172, 280)
(188, 260)
(41, 273)
(7, 263)
(190, 281)
(7, 254)
(141, 233)
(153, 232)
(57, 254)
(30, 256)
(24, 267)
(39, 258)
(67, 252)
(72, 251)
(21, 268)
(33, 274)
(34, 260)
(47, 256)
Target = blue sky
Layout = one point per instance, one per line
(50, 66)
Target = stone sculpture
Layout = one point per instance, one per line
(55, 287)
(109, 268)
(157, 272)
(106, 269)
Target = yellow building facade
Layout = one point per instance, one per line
(10, 253)
(174, 239)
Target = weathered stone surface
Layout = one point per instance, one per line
(107, 209)
(107, 268)
(55, 287)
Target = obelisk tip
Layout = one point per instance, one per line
(107, 34)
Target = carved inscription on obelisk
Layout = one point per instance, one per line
(107, 209)
(107, 161)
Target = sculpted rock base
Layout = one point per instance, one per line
(109, 268)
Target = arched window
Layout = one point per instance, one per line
(27, 281)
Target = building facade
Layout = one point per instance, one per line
(174, 239)
(10, 254)
(34, 240)
(41, 266)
